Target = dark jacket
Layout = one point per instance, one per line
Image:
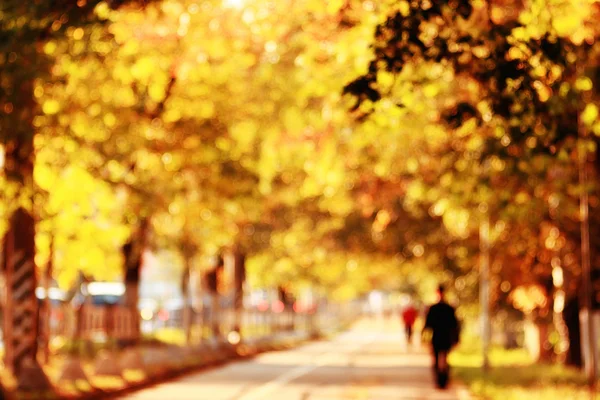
(441, 319)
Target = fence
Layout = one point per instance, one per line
(99, 323)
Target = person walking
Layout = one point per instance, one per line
(409, 316)
(441, 321)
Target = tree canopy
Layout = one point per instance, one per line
(348, 144)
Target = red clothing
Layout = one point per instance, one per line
(409, 315)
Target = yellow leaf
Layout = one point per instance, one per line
(248, 60)
(590, 114)
(544, 92)
(50, 47)
(521, 198)
(416, 190)
(572, 19)
(596, 129)
(334, 6)
(584, 84)
(143, 68)
(123, 74)
(172, 115)
(102, 10)
(467, 128)
(412, 165)
(385, 79)
(404, 7)
(292, 119)
(244, 133)
(156, 92)
(44, 177)
(206, 109)
(51, 107)
(217, 49)
(316, 6)
(520, 33)
(474, 143)
(431, 90)
(110, 120)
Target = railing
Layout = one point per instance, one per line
(98, 323)
(97, 333)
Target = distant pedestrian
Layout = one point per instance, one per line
(441, 321)
(409, 316)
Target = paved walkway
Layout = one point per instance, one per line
(369, 362)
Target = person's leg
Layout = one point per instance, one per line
(436, 355)
(442, 361)
(443, 373)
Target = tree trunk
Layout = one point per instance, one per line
(545, 351)
(21, 312)
(47, 309)
(571, 317)
(288, 302)
(187, 306)
(6, 309)
(22, 309)
(239, 277)
(216, 277)
(133, 252)
(215, 315)
(77, 333)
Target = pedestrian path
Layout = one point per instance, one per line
(372, 361)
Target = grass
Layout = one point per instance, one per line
(515, 376)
